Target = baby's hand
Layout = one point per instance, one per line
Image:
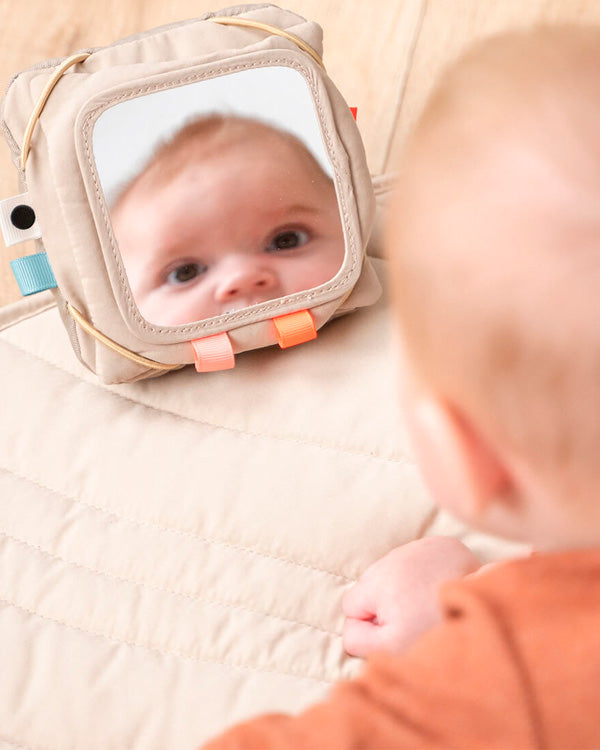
(396, 598)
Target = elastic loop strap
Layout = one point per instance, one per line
(33, 274)
(294, 328)
(113, 346)
(213, 353)
(249, 23)
(43, 98)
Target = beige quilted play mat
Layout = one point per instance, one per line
(173, 552)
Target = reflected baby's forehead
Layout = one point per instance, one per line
(228, 143)
(264, 180)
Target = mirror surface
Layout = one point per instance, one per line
(220, 194)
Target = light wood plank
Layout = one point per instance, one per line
(365, 54)
(450, 26)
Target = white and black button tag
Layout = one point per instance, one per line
(18, 220)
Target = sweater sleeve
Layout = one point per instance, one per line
(462, 685)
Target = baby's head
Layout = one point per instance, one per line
(231, 212)
(495, 250)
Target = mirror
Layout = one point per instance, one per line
(221, 194)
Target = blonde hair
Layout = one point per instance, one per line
(497, 237)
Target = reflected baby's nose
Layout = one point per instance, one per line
(247, 280)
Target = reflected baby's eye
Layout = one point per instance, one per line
(186, 272)
(288, 240)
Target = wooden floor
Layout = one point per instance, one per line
(383, 55)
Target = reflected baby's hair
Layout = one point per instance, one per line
(206, 137)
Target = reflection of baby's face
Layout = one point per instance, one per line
(253, 222)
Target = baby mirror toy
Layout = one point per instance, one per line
(194, 192)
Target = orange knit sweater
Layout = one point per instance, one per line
(516, 664)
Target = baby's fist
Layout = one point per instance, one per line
(396, 598)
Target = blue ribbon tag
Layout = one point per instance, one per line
(33, 274)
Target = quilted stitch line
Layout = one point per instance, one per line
(138, 584)
(122, 517)
(335, 448)
(161, 652)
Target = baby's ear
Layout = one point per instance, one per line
(462, 470)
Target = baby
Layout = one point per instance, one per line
(230, 213)
(495, 260)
